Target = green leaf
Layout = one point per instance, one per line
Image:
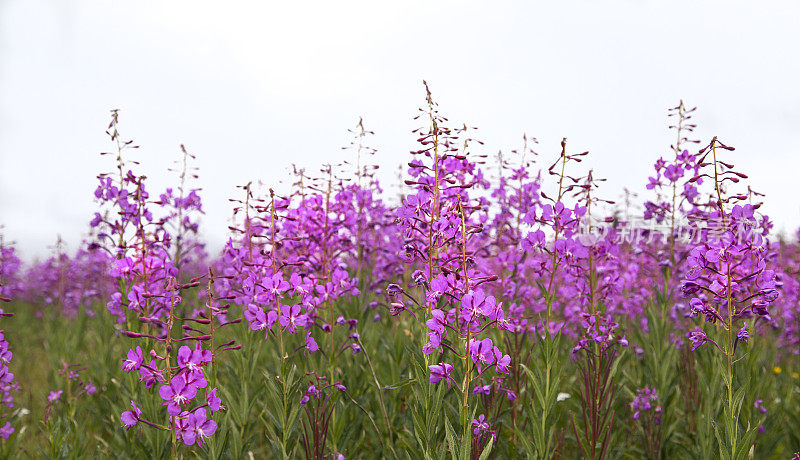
(487, 450)
(451, 440)
(400, 384)
(738, 399)
(743, 451)
(723, 448)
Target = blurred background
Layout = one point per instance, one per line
(250, 87)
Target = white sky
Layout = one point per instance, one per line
(251, 87)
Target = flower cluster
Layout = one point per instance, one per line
(75, 387)
(645, 402)
(601, 334)
(149, 299)
(475, 313)
(316, 403)
(466, 295)
(181, 213)
(69, 285)
(187, 413)
(647, 414)
(9, 267)
(7, 384)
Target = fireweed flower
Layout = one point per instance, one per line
(480, 424)
(647, 418)
(6, 431)
(182, 426)
(291, 318)
(311, 344)
(131, 418)
(7, 383)
(743, 335)
(90, 389)
(698, 338)
(482, 389)
(481, 352)
(214, 402)
(317, 409)
(150, 253)
(193, 361)
(134, 360)
(177, 394)
(644, 401)
(150, 374)
(6, 377)
(440, 371)
(730, 273)
(294, 281)
(444, 246)
(476, 308)
(198, 427)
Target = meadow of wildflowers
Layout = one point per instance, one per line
(496, 307)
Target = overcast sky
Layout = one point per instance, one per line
(251, 87)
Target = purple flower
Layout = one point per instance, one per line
(276, 284)
(645, 398)
(502, 361)
(743, 334)
(199, 428)
(476, 304)
(176, 394)
(90, 388)
(482, 389)
(311, 344)
(534, 240)
(193, 360)
(440, 371)
(395, 308)
(759, 405)
(482, 352)
(480, 424)
(182, 425)
(131, 417)
(54, 396)
(698, 338)
(5, 375)
(393, 289)
(439, 286)
(6, 431)
(434, 340)
(150, 374)
(213, 401)
(697, 307)
(291, 317)
(258, 319)
(134, 361)
(438, 322)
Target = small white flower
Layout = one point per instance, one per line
(562, 397)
